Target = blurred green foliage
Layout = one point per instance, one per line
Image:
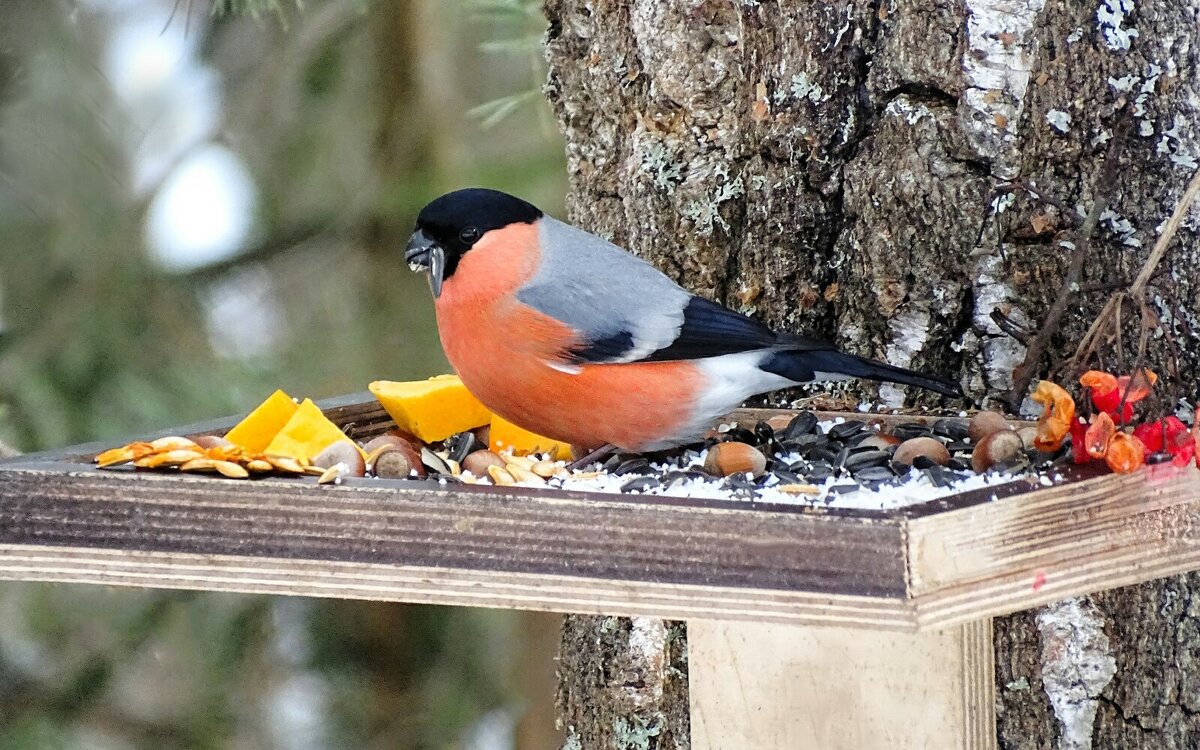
(348, 115)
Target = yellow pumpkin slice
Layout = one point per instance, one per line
(306, 434)
(255, 432)
(433, 409)
(505, 435)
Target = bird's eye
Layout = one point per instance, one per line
(469, 235)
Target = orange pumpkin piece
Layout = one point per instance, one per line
(431, 410)
(258, 429)
(306, 434)
(1125, 453)
(505, 435)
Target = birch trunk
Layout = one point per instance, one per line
(834, 168)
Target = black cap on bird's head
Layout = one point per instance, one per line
(451, 225)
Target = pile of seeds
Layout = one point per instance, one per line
(798, 459)
(205, 453)
(786, 459)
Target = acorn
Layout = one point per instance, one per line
(388, 438)
(879, 441)
(1027, 435)
(930, 448)
(343, 453)
(997, 448)
(393, 462)
(984, 423)
(732, 457)
(477, 462)
(391, 456)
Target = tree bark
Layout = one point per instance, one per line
(840, 169)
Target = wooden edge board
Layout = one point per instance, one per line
(427, 585)
(500, 529)
(1067, 523)
(1033, 587)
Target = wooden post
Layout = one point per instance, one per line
(771, 686)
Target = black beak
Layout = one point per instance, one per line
(424, 254)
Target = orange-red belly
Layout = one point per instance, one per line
(629, 405)
(503, 351)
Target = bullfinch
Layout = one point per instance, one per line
(566, 334)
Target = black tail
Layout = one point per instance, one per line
(804, 366)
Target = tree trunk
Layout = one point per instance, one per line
(839, 169)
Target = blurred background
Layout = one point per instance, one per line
(200, 203)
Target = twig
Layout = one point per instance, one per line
(1110, 315)
(1070, 214)
(1010, 326)
(1024, 372)
(1160, 247)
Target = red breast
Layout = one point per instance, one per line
(502, 349)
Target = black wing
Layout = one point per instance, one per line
(708, 330)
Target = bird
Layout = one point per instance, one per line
(567, 335)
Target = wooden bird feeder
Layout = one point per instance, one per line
(806, 627)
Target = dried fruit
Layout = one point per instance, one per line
(1099, 435)
(1125, 453)
(1057, 415)
(930, 448)
(984, 423)
(1108, 392)
(724, 459)
(255, 432)
(1160, 434)
(1079, 454)
(997, 448)
(432, 409)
